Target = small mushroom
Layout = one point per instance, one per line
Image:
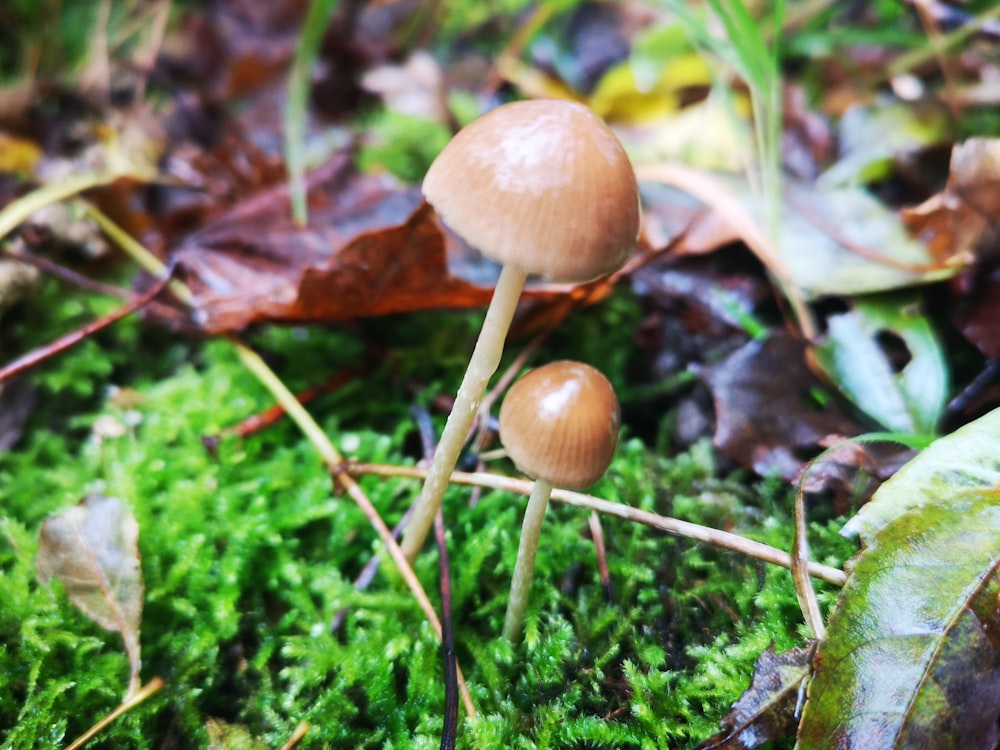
(559, 424)
(544, 187)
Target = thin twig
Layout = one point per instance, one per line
(597, 535)
(275, 413)
(70, 340)
(715, 537)
(127, 705)
(80, 281)
(804, 590)
(297, 736)
(449, 730)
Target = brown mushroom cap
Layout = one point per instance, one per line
(559, 423)
(543, 185)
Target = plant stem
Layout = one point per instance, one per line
(484, 362)
(524, 568)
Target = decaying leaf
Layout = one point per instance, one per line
(911, 657)
(967, 459)
(874, 135)
(223, 735)
(962, 221)
(830, 242)
(371, 248)
(92, 548)
(905, 396)
(766, 711)
(766, 416)
(977, 313)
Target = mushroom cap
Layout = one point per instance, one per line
(559, 423)
(543, 185)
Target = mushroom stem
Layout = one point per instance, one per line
(484, 362)
(524, 568)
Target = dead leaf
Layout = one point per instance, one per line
(223, 735)
(372, 247)
(414, 88)
(17, 401)
(92, 549)
(977, 313)
(767, 416)
(767, 710)
(837, 241)
(961, 221)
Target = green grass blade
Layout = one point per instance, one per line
(297, 104)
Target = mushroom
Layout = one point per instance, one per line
(559, 424)
(544, 187)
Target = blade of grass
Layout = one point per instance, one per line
(297, 104)
(748, 52)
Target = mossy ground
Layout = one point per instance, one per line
(248, 555)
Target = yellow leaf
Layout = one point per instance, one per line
(18, 155)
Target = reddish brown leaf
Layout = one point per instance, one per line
(371, 248)
(961, 221)
(92, 549)
(766, 711)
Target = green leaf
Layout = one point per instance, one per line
(965, 460)
(911, 659)
(855, 358)
(873, 136)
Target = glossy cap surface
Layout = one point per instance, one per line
(560, 423)
(544, 185)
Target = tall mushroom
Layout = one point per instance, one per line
(544, 187)
(559, 424)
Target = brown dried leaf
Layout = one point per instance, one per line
(92, 548)
(766, 417)
(766, 711)
(371, 248)
(961, 221)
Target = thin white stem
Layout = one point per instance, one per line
(484, 362)
(524, 568)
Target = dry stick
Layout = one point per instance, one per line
(127, 705)
(713, 194)
(715, 537)
(297, 736)
(83, 282)
(273, 414)
(597, 535)
(449, 731)
(313, 432)
(70, 340)
(804, 590)
(367, 575)
(335, 462)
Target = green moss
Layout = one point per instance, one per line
(248, 556)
